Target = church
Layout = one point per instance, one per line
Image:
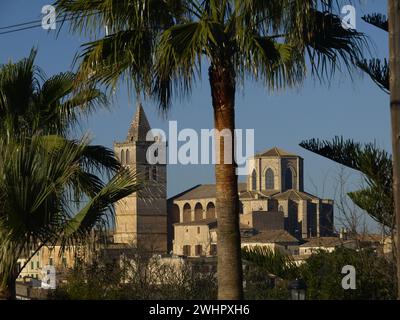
(273, 203)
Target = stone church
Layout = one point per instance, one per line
(272, 199)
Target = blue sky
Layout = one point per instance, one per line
(352, 108)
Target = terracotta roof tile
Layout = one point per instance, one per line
(203, 191)
(271, 236)
(275, 152)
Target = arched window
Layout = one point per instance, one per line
(187, 213)
(198, 212)
(280, 209)
(127, 156)
(210, 211)
(254, 180)
(122, 157)
(269, 179)
(289, 179)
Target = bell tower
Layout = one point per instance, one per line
(141, 218)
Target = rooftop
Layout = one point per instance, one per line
(276, 152)
(324, 242)
(139, 126)
(203, 191)
(271, 236)
(295, 195)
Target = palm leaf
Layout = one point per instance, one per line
(378, 71)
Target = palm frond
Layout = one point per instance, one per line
(263, 58)
(378, 72)
(178, 59)
(329, 45)
(95, 211)
(272, 261)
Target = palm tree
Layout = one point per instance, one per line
(394, 62)
(50, 187)
(160, 47)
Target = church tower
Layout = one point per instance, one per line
(141, 218)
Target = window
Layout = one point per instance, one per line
(198, 230)
(213, 250)
(32, 265)
(186, 250)
(122, 157)
(289, 179)
(37, 264)
(51, 261)
(64, 262)
(269, 179)
(127, 157)
(199, 250)
(254, 180)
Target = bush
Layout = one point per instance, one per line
(374, 275)
(141, 277)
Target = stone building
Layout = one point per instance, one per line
(141, 218)
(272, 198)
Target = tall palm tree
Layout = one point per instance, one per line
(394, 63)
(50, 186)
(160, 46)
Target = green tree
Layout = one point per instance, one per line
(322, 273)
(268, 273)
(376, 198)
(389, 82)
(272, 261)
(160, 46)
(50, 187)
(384, 192)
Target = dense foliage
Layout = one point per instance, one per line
(375, 275)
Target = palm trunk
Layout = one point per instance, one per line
(394, 51)
(222, 81)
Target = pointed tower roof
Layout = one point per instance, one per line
(139, 127)
(276, 152)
